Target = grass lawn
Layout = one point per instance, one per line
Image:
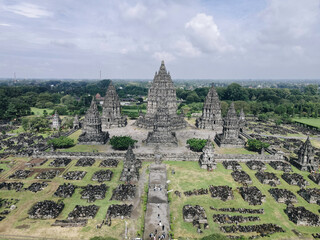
(189, 176)
(18, 223)
(315, 122)
(39, 111)
(85, 148)
(233, 151)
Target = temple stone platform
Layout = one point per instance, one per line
(157, 217)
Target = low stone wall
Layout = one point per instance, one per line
(188, 156)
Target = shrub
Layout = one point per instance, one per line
(122, 142)
(61, 142)
(256, 145)
(196, 144)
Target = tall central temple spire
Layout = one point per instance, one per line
(162, 88)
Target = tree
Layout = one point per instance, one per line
(256, 145)
(36, 124)
(122, 142)
(61, 142)
(235, 92)
(196, 144)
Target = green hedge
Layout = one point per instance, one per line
(61, 142)
(122, 142)
(196, 144)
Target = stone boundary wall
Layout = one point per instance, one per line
(166, 157)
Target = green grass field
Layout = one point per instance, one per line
(189, 176)
(315, 122)
(18, 223)
(39, 111)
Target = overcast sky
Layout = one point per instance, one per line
(204, 39)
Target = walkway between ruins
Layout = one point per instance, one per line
(157, 218)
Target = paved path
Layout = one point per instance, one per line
(157, 216)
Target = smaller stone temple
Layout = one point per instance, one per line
(92, 131)
(211, 113)
(161, 133)
(111, 110)
(56, 121)
(131, 165)
(306, 161)
(76, 122)
(207, 160)
(230, 133)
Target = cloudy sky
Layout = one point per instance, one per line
(202, 39)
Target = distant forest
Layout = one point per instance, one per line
(70, 98)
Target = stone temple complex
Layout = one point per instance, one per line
(306, 161)
(56, 121)
(162, 87)
(111, 110)
(230, 133)
(207, 160)
(211, 113)
(161, 133)
(92, 131)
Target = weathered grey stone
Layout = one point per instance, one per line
(207, 160)
(56, 121)
(230, 133)
(306, 160)
(211, 113)
(162, 87)
(92, 131)
(111, 110)
(161, 133)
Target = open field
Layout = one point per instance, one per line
(189, 176)
(18, 223)
(39, 111)
(314, 122)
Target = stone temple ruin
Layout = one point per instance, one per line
(283, 195)
(311, 195)
(315, 177)
(230, 134)
(211, 113)
(301, 216)
(76, 122)
(252, 195)
(46, 209)
(131, 167)
(306, 161)
(56, 121)
(195, 214)
(162, 87)
(161, 133)
(207, 160)
(111, 110)
(92, 131)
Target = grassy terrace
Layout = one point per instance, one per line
(39, 111)
(18, 223)
(189, 176)
(314, 122)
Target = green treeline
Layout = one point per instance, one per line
(70, 98)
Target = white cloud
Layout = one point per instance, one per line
(5, 25)
(186, 49)
(286, 21)
(205, 34)
(136, 12)
(28, 10)
(166, 56)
